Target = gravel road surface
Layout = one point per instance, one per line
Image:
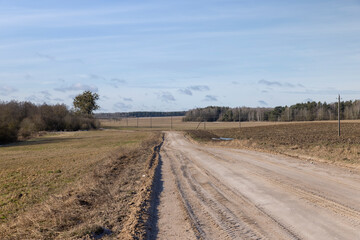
(222, 193)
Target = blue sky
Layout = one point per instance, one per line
(177, 55)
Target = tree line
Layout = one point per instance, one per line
(309, 111)
(227, 114)
(119, 115)
(23, 119)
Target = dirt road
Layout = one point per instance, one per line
(221, 193)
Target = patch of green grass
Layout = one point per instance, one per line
(129, 142)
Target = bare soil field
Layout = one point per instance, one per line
(77, 185)
(212, 192)
(309, 140)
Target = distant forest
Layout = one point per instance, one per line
(309, 111)
(137, 114)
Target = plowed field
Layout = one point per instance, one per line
(314, 141)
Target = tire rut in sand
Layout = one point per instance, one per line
(306, 192)
(248, 212)
(221, 206)
(251, 195)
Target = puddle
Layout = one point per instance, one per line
(222, 139)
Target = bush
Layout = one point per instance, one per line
(25, 118)
(7, 134)
(27, 128)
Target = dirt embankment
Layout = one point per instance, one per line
(112, 202)
(310, 141)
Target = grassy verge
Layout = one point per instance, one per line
(69, 185)
(316, 141)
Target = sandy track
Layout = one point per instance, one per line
(218, 193)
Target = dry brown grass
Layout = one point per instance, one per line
(164, 123)
(70, 185)
(307, 140)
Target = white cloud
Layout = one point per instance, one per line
(188, 90)
(166, 97)
(78, 87)
(128, 99)
(120, 106)
(199, 88)
(210, 98)
(6, 90)
(263, 103)
(185, 91)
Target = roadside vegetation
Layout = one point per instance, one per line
(75, 184)
(20, 120)
(310, 140)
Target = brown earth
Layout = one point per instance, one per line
(311, 141)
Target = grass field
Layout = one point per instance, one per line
(174, 123)
(34, 170)
(309, 140)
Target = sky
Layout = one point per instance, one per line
(178, 55)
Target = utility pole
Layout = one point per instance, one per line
(339, 114)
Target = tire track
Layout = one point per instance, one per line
(302, 191)
(231, 218)
(242, 202)
(230, 195)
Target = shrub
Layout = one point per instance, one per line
(27, 128)
(25, 118)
